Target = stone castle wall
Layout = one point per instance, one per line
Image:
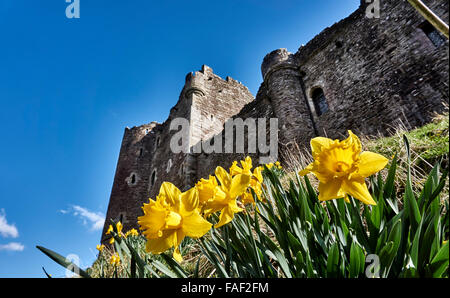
(372, 74)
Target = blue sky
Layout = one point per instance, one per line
(69, 87)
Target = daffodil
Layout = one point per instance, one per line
(110, 229)
(225, 197)
(255, 184)
(246, 167)
(170, 218)
(119, 227)
(100, 247)
(131, 232)
(276, 164)
(341, 168)
(114, 260)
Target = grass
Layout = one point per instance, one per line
(429, 142)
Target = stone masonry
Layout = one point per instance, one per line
(364, 74)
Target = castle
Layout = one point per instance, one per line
(363, 74)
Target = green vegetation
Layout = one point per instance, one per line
(429, 143)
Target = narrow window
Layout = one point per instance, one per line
(141, 150)
(153, 178)
(158, 140)
(433, 34)
(320, 102)
(133, 179)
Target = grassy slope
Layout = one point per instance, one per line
(429, 143)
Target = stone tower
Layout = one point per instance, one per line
(146, 158)
(366, 74)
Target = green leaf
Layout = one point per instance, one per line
(163, 268)
(63, 262)
(440, 262)
(390, 180)
(387, 254)
(356, 260)
(141, 265)
(176, 268)
(416, 246)
(333, 261)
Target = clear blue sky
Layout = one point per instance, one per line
(68, 88)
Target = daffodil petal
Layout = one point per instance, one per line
(235, 169)
(223, 177)
(163, 243)
(358, 189)
(331, 190)
(217, 203)
(173, 220)
(171, 193)
(153, 220)
(239, 185)
(307, 170)
(234, 207)
(176, 252)
(353, 141)
(318, 143)
(257, 174)
(195, 226)
(371, 163)
(225, 217)
(190, 199)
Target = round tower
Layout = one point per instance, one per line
(282, 78)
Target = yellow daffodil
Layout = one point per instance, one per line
(131, 232)
(119, 228)
(110, 229)
(276, 164)
(225, 197)
(206, 189)
(256, 184)
(170, 218)
(341, 168)
(114, 260)
(246, 167)
(100, 247)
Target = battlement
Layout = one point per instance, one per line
(275, 60)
